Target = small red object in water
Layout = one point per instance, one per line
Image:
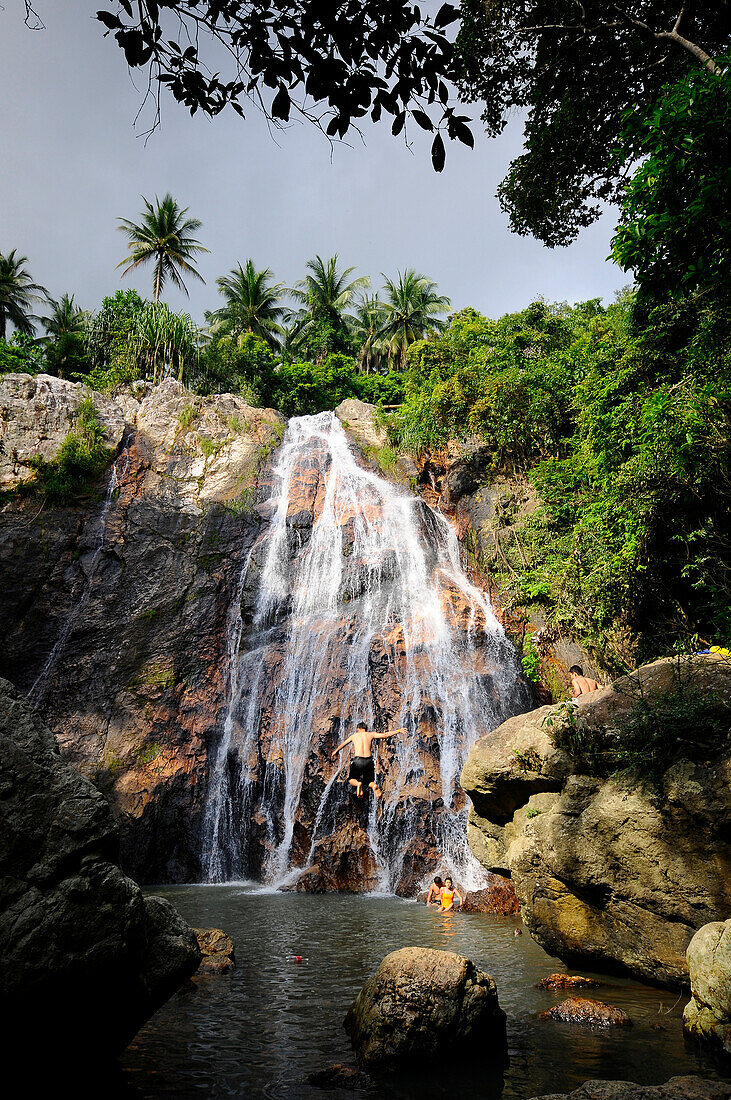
(297, 958)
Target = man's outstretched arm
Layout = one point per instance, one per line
(342, 745)
(389, 733)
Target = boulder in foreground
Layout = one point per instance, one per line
(708, 1014)
(613, 871)
(86, 958)
(422, 1004)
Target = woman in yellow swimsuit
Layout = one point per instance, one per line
(450, 896)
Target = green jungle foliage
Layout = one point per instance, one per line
(623, 432)
(81, 459)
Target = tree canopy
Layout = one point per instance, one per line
(576, 70)
(333, 64)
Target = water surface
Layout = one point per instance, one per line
(261, 1030)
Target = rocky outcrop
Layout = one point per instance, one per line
(421, 1005)
(217, 949)
(85, 958)
(498, 898)
(37, 413)
(583, 1010)
(116, 607)
(677, 1088)
(491, 512)
(708, 1014)
(360, 422)
(611, 871)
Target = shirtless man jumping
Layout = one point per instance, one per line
(362, 769)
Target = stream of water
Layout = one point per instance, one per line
(262, 1029)
(377, 572)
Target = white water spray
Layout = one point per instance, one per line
(363, 613)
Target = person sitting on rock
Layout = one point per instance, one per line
(449, 896)
(580, 684)
(362, 768)
(435, 892)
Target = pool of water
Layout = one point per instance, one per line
(260, 1030)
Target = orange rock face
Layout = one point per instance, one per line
(499, 898)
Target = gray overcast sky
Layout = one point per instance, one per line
(72, 163)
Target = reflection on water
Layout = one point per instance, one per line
(262, 1029)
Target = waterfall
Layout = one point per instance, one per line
(352, 606)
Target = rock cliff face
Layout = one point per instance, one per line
(114, 608)
(609, 871)
(137, 617)
(490, 511)
(85, 959)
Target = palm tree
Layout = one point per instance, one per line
(252, 303)
(413, 310)
(369, 321)
(325, 296)
(66, 319)
(17, 295)
(163, 236)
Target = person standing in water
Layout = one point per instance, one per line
(450, 897)
(435, 892)
(362, 768)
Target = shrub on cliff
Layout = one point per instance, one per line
(81, 459)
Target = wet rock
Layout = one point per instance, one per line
(582, 1010)
(343, 862)
(86, 958)
(708, 1014)
(567, 981)
(499, 898)
(339, 1076)
(608, 872)
(217, 949)
(422, 1005)
(136, 610)
(677, 1088)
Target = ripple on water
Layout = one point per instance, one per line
(260, 1030)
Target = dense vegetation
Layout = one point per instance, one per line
(616, 416)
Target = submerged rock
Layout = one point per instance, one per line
(677, 1088)
(217, 949)
(423, 1004)
(582, 1010)
(85, 957)
(339, 1076)
(612, 872)
(567, 981)
(708, 1014)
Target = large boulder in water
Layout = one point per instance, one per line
(708, 1014)
(86, 958)
(611, 869)
(423, 1004)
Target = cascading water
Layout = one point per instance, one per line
(356, 608)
